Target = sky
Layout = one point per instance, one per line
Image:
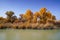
(20, 6)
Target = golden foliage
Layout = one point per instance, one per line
(28, 12)
(34, 20)
(49, 15)
(43, 10)
(27, 16)
(36, 14)
(29, 19)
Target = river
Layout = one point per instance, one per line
(19, 34)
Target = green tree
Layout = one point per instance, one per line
(13, 18)
(53, 17)
(9, 15)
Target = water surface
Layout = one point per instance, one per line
(14, 34)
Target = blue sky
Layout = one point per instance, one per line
(20, 6)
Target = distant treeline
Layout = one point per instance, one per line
(41, 19)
